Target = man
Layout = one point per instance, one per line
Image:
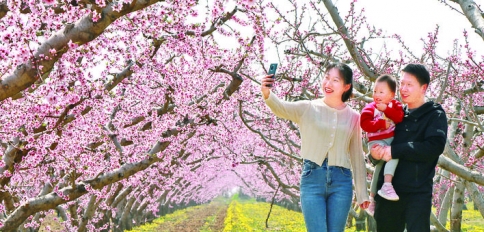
(419, 140)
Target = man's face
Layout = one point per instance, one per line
(411, 91)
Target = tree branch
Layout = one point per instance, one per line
(473, 14)
(81, 32)
(461, 171)
(350, 45)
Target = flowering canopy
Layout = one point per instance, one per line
(112, 107)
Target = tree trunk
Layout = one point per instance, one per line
(73, 213)
(360, 221)
(445, 206)
(134, 213)
(272, 203)
(125, 220)
(122, 195)
(61, 212)
(444, 187)
(142, 215)
(476, 197)
(458, 203)
(351, 215)
(438, 226)
(90, 210)
(106, 214)
(474, 14)
(371, 224)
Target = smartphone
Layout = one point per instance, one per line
(272, 70)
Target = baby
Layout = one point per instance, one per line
(378, 120)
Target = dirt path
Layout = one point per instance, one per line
(214, 214)
(218, 224)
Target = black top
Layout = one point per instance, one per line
(418, 142)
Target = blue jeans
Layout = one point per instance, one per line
(326, 195)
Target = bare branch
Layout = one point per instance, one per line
(350, 45)
(436, 223)
(461, 171)
(264, 137)
(444, 85)
(214, 25)
(52, 200)
(3, 9)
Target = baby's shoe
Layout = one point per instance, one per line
(388, 192)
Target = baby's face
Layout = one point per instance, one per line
(382, 93)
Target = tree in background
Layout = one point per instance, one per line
(311, 34)
(113, 112)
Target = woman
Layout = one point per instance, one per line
(330, 147)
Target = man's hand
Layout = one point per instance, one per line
(376, 152)
(387, 153)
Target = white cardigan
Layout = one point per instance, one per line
(327, 133)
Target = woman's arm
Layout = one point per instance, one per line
(288, 110)
(358, 165)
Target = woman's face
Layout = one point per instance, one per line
(333, 84)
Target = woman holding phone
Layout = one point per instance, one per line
(331, 148)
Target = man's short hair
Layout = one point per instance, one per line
(419, 71)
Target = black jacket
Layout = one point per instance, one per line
(418, 142)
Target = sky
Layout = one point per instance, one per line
(414, 19)
(411, 19)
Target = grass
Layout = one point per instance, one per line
(208, 222)
(472, 220)
(249, 215)
(175, 217)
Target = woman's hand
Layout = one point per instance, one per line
(365, 205)
(266, 85)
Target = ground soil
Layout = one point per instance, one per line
(195, 219)
(218, 225)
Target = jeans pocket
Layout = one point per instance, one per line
(345, 171)
(306, 170)
(306, 173)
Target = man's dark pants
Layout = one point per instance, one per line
(412, 210)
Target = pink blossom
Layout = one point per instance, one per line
(7, 173)
(250, 2)
(74, 98)
(52, 98)
(7, 37)
(49, 2)
(72, 45)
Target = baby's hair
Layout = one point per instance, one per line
(390, 80)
